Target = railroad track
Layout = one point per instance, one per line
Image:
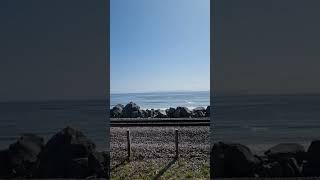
(155, 122)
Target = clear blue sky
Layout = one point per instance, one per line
(160, 45)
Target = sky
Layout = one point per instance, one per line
(266, 47)
(52, 49)
(159, 45)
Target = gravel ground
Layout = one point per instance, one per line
(153, 147)
(158, 142)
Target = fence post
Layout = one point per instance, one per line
(177, 141)
(129, 144)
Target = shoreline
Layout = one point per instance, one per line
(132, 110)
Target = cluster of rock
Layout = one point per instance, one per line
(283, 160)
(132, 110)
(68, 154)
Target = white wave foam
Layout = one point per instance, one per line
(164, 108)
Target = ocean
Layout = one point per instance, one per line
(264, 120)
(257, 121)
(163, 100)
(46, 118)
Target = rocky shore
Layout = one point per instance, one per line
(68, 154)
(132, 110)
(230, 160)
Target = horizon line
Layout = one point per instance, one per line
(160, 91)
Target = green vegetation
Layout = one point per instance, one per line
(163, 168)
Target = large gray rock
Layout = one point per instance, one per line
(170, 112)
(143, 113)
(286, 151)
(60, 151)
(199, 112)
(270, 169)
(160, 113)
(150, 113)
(313, 153)
(116, 111)
(5, 168)
(279, 168)
(233, 160)
(291, 168)
(23, 155)
(131, 110)
(312, 167)
(78, 168)
(240, 160)
(182, 112)
(208, 111)
(98, 164)
(217, 161)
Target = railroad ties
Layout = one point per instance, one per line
(143, 122)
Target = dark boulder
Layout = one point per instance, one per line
(240, 160)
(312, 166)
(59, 152)
(116, 111)
(160, 113)
(150, 113)
(233, 160)
(310, 171)
(217, 161)
(270, 169)
(199, 112)
(286, 151)
(98, 164)
(131, 110)
(291, 168)
(208, 111)
(170, 112)
(182, 112)
(78, 168)
(23, 155)
(313, 153)
(143, 113)
(5, 168)
(279, 168)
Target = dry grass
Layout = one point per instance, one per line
(162, 168)
(153, 153)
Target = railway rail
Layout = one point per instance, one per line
(156, 122)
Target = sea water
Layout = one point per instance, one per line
(163, 100)
(257, 121)
(46, 118)
(262, 121)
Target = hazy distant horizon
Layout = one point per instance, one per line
(160, 91)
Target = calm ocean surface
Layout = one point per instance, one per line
(262, 121)
(259, 121)
(47, 118)
(163, 100)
